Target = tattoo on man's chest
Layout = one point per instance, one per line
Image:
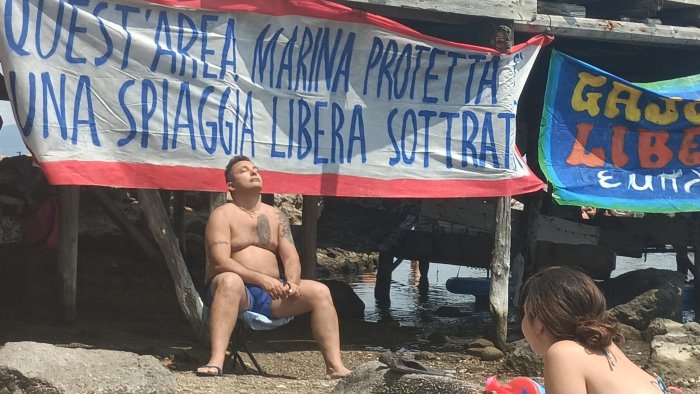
(264, 233)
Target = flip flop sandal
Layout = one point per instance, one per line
(219, 371)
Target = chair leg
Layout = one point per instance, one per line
(239, 341)
(237, 359)
(252, 358)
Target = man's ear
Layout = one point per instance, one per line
(229, 186)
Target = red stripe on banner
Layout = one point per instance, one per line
(331, 11)
(149, 176)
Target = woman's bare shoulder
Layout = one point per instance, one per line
(565, 348)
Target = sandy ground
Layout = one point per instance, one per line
(288, 355)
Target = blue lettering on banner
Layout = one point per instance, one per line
(191, 99)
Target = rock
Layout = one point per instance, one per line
(676, 354)
(481, 342)
(437, 338)
(661, 326)
(491, 353)
(637, 297)
(426, 356)
(448, 311)
(662, 302)
(521, 360)
(629, 333)
(474, 351)
(30, 367)
(347, 303)
(374, 377)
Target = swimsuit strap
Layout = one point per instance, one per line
(665, 389)
(612, 360)
(662, 384)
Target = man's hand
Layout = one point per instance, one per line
(293, 290)
(274, 288)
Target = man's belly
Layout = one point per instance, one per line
(258, 259)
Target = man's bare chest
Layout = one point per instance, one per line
(258, 231)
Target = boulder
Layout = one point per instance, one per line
(347, 303)
(30, 367)
(375, 377)
(626, 287)
(480, 343)
(629, 333)
(664, 302)
(676, 354)
(522, 361)
(661, 326)
(491, 353)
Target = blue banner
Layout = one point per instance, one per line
(609, 143)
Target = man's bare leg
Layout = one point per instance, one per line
(229, 297)
(316, 298)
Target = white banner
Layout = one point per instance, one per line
(324, 99)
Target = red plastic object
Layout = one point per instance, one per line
(519, 385)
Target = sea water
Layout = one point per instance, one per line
(410, 307)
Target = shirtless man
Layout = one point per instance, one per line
(243, 239)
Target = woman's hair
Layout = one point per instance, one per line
(570, 306)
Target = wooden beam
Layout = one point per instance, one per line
(612, 31)
(216, 200)
(674, 4)
(558, 230)
(3, 89)
(69, 207)
(500, 259)
(500, 269)
(187, 295)
(696, 275)
(127, 227)
(505, 9)
(309, 225)
(179, 219)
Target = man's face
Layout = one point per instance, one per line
(245, 176)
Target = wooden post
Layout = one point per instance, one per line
(158, 222)
(216, 200)
(69, 207)
(309, 225)
(179, 219)
(382, 284)
(696, 275)
(500, 259)
(500, 268)
(127, 227)
(531, 214)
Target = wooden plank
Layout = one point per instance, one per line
(562, 231)
(673, 4)
(69, 206)
(505, 9)
(613, 31)
(187, 295)
(474, 215)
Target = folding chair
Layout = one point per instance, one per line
(248, 323)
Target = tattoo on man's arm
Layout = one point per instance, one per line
(215, 243)
(286, 230)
